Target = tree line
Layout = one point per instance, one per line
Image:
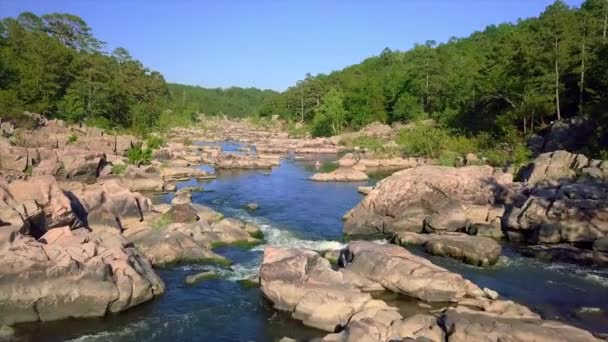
(509, 80)
(53, 65)
(232, 102)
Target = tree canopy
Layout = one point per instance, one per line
(509, 78)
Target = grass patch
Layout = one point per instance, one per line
(155, 142)
(160, 222)
(28, 170)
(249, 283)
(187, 141)
(137, 155)
(297, 131)
(72, 138)
(257, 235)
(119, 169)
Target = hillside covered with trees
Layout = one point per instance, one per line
(54, 65)
(507, 81)
(232, 102)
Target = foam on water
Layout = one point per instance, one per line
(128, 332)
(275, 236)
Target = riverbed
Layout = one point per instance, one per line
(295, 212)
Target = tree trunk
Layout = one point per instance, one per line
(525, 125)
(557, 106)
(426, 96)
(532, 122)
(90, 91)
(582, 85)
(302, 104)
(605, 21)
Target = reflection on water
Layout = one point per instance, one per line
(296, 212)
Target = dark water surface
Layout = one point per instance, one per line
(296, 212)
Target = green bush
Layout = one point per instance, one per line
(155, 142)
(449, 158)
(423, 141)
(119, 169)
(297, 132)
(408, 108)
(370, 143)
(72, 138)
(321, 126)
(99, 122)
(139, 156)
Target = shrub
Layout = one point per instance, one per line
(119, 169)
(423, 141)
(187, 141)
(155, 142)
(449, 158)
(72, 138)
(295, 131)
(408, 108)
(370, 143)
(139, 156)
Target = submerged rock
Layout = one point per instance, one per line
(196, 278)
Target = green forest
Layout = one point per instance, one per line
(506, 81)
(53, 65)
(497, 85)
(232, 102)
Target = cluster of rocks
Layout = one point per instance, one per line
(459, 212)
(77, 239)
(302, 283)
(55, 266)
(186, 232)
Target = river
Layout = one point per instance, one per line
(295, 212)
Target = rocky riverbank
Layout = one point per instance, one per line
(81, 237)
(302, 283)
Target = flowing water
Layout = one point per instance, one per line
(295, 212)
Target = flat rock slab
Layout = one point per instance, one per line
(400, 271)
(474, 250)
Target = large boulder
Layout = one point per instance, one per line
(81, 165)
(111, 201)
(464, 324)
(302, 283)
(408, 197)
(65, 275)
(571, 135)
(572, 212)
(138, 179)
(46, 193)
(478, 251)
(163, 246)
(400, 271)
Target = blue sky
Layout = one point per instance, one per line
(272, 44)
